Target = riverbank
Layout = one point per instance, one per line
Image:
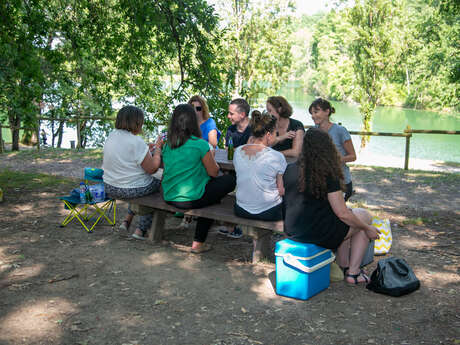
(372, 159)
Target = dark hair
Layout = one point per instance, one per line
(322, 104)
(318, 162)
(281, 105)
(130, 118)
(242, 105)
(182, 126)
(262, 123)
(203, 103)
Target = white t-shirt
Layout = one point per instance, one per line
(123, 155)
(256, 189)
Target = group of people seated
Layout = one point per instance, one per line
(309, 194)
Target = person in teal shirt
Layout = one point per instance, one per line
(190, 175)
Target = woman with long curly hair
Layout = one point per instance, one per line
(315, 208)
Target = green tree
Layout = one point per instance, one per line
(22, 29)
(375, 50)
(256, 45)
(79, 58)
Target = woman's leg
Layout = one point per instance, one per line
(358, 242)
(215, 190)
(145, 221)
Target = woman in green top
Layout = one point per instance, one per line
(190, 172)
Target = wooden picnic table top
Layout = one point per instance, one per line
(221, 159)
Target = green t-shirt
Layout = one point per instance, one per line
(184, 175)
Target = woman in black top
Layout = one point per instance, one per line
(316, 211)
(289, 132)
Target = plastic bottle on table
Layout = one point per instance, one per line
(230, 149)
(82, 192)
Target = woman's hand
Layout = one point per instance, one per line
(372, 232)
(287, 135)
(160, 142)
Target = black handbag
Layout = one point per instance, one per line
(394, 277)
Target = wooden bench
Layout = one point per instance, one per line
(260, 231)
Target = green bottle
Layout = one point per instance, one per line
(230, 150)
(88, 195)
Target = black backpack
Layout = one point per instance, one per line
(394, 277)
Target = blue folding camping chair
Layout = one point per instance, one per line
(93, 211)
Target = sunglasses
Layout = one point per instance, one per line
(198, 108)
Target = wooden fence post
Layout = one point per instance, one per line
(406, 155)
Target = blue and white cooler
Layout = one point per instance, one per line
(302, 269)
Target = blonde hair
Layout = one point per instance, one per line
(203, 103)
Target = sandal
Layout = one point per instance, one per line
(356, 276)
(205, 247)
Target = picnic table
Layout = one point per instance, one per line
(221, 159)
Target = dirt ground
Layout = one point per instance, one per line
(65, 286)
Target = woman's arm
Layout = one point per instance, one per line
(350, 149)
(280, 184)
(150, 164)
(347, 216)
(212, 138)
(296, 148)
(210, 164)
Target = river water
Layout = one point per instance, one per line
(389, 151)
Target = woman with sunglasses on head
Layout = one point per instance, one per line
(208, 127)
(289, 132)
(315, 211)
(259, 172)
(321, 111)
(190, 175)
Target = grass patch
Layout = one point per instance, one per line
(15, 180)
(55, 153)
(415, 221)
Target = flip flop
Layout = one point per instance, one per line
(204, 248)
(355, 277)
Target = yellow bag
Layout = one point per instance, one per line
(383, 244)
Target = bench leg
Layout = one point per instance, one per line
(158, 224)
(261, 242)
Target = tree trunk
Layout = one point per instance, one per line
(60, 132)
(15, 121)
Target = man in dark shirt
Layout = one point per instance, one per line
(239, 131)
